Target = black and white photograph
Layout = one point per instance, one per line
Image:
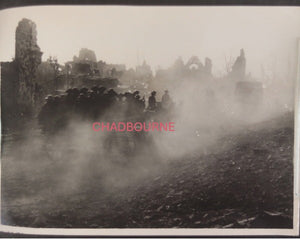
(156, 119)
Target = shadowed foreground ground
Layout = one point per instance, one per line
(247, 182)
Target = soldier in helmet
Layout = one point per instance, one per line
(136, 93)
(81, 106)
(84, 91)
(110, 98)
(130, 105)
(140, 104)
(95, 89)
(75, 93)
(63, 103)
(49, 98)
(91, 102)
(69, 97)
(69, 91)
(102, 89)
(152, 101)
(100, 101)
(69, 102)
(111, 92)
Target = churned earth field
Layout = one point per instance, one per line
(244, 180)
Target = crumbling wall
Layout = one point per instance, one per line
(28, 58)
(238, 71)
(85, 63)
(208, 66)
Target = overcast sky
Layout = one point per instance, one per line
(122, 34)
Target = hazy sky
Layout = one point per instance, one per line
(122, 34)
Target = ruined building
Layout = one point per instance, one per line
(20, 86)
(238, 71)
(87, 55)
(84, 63)
(28, 57)
(194, 64)
(208, 66)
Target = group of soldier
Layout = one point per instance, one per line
(96, 103)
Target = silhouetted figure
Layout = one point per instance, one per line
(136, 93)
(83, 91)
(75, 94)
(96, 103)
(81, 106)
(139, 104)
(100, 102)
(112, 97)
(166, 100)
(152, 101)
(95, 89)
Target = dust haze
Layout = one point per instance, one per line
(77, 163)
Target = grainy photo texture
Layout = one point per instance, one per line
(148, 117)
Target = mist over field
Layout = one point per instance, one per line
(230, 80)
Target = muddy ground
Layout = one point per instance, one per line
(247, 182)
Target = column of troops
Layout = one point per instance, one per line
(97, 103)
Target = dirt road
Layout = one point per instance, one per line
(247, 182)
